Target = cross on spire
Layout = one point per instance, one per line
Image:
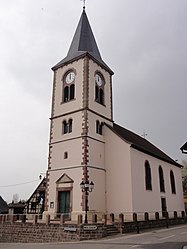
(144, 135)
(84, 3)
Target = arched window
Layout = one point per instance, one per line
(69, 93)
(69, 86)
(148, 180)
(65, 155)
(96, 93)
(99, 88)
(99, 127)
(161, 179)
(70, 125)
(101, 96)
(65, 127)
(172, 180)
(66, 94)
(72, 91)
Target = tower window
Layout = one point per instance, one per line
(69, 93)
(101, 96)
(70, 125)
(161, 179)
(148, 180)
(65, 155)
(99, 127)
(99, 88)
(69, 86)
(72, 91)
(67, 126)
(66, 94)
(172, 181)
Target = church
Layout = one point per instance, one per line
(125, 172)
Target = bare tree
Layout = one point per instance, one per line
(15, 198)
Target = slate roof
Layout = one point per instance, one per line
(139, 143)
(3, 206)
(184, 148)
(83, 44)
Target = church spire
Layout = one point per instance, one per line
(84, 40)
(83, 43)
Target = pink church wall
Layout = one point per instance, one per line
(118, 174)
(152, 198)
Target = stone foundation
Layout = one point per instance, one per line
(24, 231)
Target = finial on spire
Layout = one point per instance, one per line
(84, 4)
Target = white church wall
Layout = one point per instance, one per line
(76, 194)
(92, 118)
(97, 174)
(141, 196)
(101, 109)
(97, 201)
(59, 106)
(96, 153)
(152, 198)
(74, 150)
(57, 130)
(174, 201)
(118, 173)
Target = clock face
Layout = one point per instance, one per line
(98, 80)
(70, 77)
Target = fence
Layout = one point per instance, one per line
(21, 228)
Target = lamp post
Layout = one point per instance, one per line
(86, 187)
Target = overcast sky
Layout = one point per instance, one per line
(143, 41)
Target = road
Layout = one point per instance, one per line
(172, 238)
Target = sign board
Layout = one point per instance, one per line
(51, 204)
(70, 229)
(89, 228)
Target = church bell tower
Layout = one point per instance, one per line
(81, 105)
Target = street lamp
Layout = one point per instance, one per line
(86, 187)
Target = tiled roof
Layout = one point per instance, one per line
(83, 43)
(139, 143)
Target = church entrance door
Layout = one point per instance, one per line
(64, 203)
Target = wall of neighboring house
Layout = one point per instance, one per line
(150, 200)
(118, 173)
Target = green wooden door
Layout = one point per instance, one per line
(64, 202)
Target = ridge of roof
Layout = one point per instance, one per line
(83, 43)
(40, 185)
(184, 148)
(141, 144)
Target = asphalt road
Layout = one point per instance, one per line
(172, 238)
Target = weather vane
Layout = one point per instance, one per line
(84, 3)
